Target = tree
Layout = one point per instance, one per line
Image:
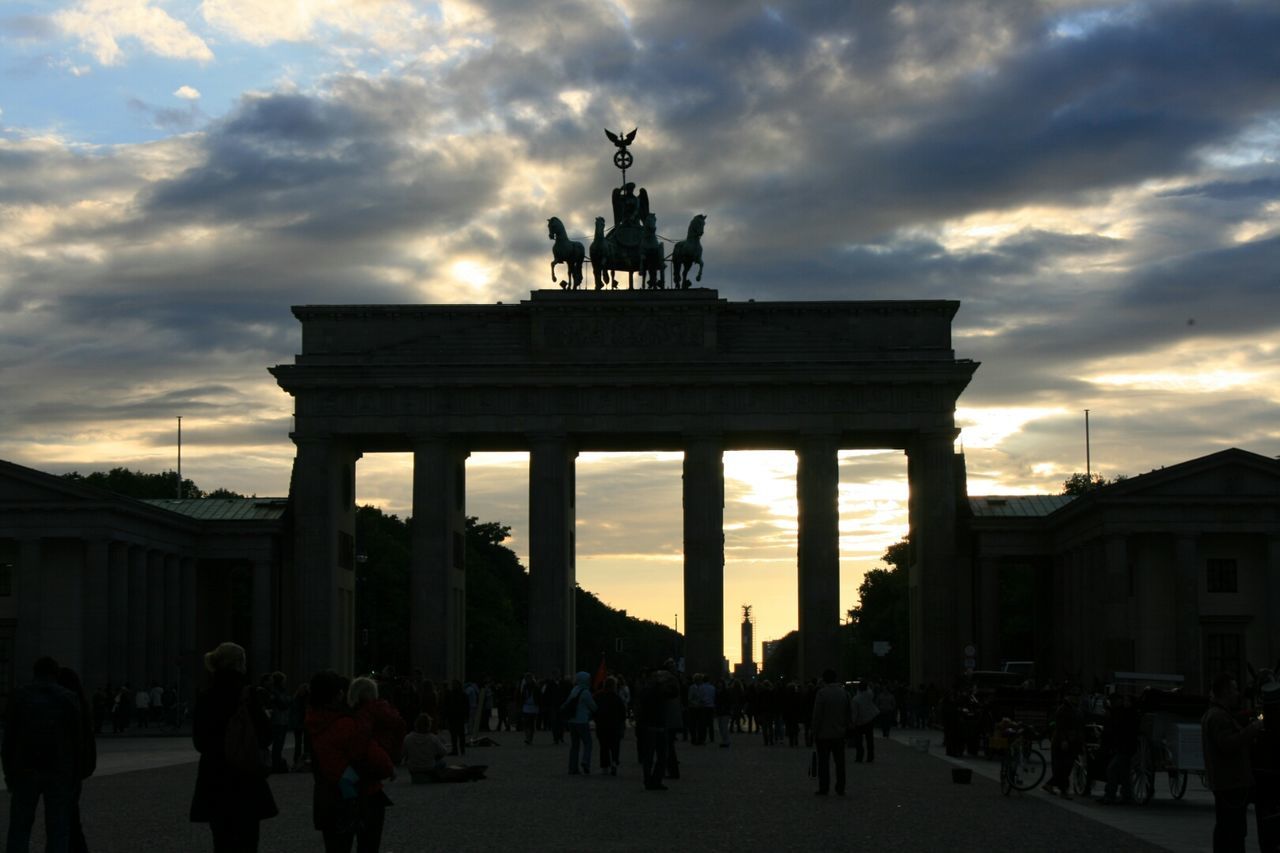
(882, 614)
(1080, 483)
(137, 484)
(225, 493)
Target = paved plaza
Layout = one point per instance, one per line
(746, 797)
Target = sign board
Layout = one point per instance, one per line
(880, 648)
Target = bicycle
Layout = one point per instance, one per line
(1022, 766)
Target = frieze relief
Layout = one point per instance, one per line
(607, 333)
(623, 400)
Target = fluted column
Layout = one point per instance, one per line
(118, 619)
(818, 557)
(137, 616)
(155, 616)
(704, 555)
(95, 630)
(936, 653)
(192, 657)
(29, 638)
(260, 646)
(552, 627)
(321, 633)
(437, 576)
(989, 651)
(1186, 609)
(172, 619)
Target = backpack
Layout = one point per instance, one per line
(240, 743)
(568, 710)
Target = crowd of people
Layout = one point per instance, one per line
(352, 735)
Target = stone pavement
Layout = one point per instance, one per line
(747, 797)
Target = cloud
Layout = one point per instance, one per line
(384, 22)
(1094, 183)
(100, 26)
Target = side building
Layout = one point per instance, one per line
(132, 591)
(1174, 571)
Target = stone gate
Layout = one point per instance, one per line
(568, 371)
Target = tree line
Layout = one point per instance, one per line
(497, 592)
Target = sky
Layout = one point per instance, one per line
(1096, 182)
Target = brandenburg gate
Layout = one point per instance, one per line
(569, 371)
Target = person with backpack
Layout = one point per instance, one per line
(232, 733)
(42, 739)
(576, 711)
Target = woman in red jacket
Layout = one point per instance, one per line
(348, 764)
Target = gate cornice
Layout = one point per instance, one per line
(638, 369)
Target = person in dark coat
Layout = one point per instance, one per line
(348, 765)
(1065, 744)
(86, 756)
(231, 801)
(42, 733)
(611, 719)
(1265, 761)
(1120, 737)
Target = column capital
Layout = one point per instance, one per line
(932, 439)
(448, 441)
(552, 439)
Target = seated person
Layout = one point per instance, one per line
(424, 752)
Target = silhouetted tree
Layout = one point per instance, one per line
(882, 614)
(138, 484)
(1079, 483)
(224, 493)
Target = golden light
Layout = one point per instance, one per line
(984, 428)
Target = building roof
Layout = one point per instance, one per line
(224, 509)
(1017, 506)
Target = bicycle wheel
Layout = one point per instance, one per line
(1028, 769)
(1177, 783)
(1142, 782)
(1080, 784)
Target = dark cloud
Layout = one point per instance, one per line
(170, 119)
(35, 27)
(834, 148)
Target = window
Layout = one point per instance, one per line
(1220, 575)
(1222, 654)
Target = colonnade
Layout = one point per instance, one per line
(116, 611)
(323, 491)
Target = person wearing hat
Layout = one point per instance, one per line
(1226, 764)
(1265, 758)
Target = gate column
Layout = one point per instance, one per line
(704, 555)
(936, 654)
(552, 627)
(323, 495)
(818, 554)
(437, 576)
